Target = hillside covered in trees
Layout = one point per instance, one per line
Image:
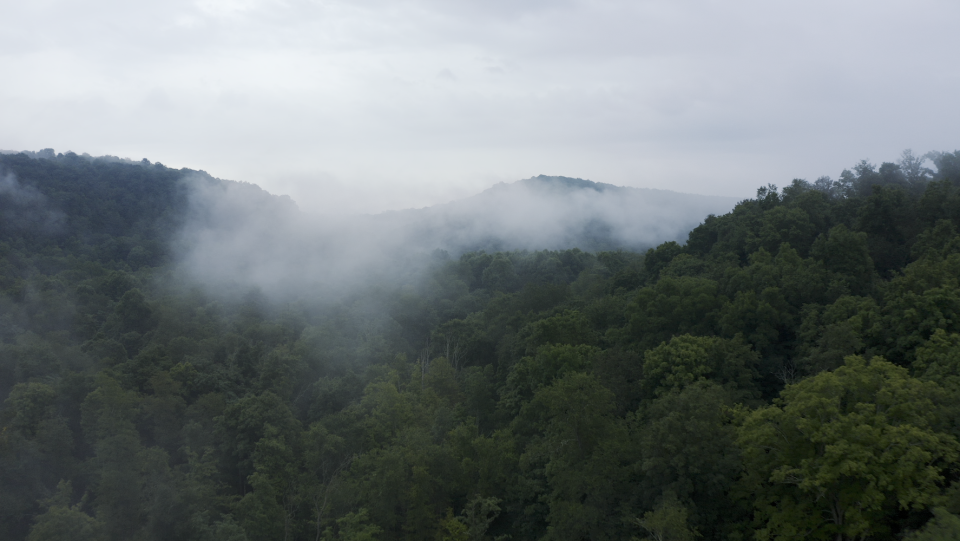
(791, 371)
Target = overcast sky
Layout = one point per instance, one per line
(375, 104)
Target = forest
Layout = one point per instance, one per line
(791, 371)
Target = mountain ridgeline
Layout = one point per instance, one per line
(559, 213)
(230, 235)
(237, 234)
(183, 357)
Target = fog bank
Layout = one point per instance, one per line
(237, 235)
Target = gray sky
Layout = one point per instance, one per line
(374, 104)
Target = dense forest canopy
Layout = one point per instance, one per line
(791, 371)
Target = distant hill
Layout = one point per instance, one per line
(543, 212)
(105, 209)
(226, 232)
(553, 212)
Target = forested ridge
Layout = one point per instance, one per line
(791, 371)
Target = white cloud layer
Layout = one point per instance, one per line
(370, 105)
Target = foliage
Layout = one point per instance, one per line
(834, 450)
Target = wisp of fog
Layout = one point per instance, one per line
(25, 208)
(237, 235)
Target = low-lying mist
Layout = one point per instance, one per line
(25, 207)
(237, 236)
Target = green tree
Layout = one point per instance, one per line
(668, 522)
(828, 455)
(452, 529)
(28, 404)
(325, 462)
(134, 312)
(245, 422)
(355, 527)
(784, 224)
(686, 360)
(568, 327)
(500, 274)
(673, 306)
(828, 334)
(845, 253)
(939, 360)
(63, 522)
(926, 297)
(549, 363)
(583, 452)
(688, 451)
(107, 416)
(477, 516)
(657, 258)
(944, 526)
(270, 510)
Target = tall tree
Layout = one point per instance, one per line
(835, 450)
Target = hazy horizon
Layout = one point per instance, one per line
(380, 105)
(306, 204)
